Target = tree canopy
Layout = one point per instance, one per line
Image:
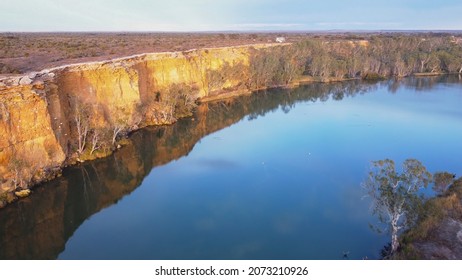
(395, 197)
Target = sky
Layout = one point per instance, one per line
(228, 15)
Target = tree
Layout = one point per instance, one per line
(17, 166)
(263, 65)
(292, 64)
(95, 141)
(395, 195)
(24, 166)
(215, 79)
(120, 122)
(81, 118)
(185, 96)
(442, 180)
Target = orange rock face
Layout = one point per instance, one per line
(39, 113)
(28, 142)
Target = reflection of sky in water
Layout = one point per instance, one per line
(282, 186)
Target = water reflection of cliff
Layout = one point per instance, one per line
(39, 226)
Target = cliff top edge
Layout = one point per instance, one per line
(48, 73)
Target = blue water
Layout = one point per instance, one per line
(278, 182)
(285, 185)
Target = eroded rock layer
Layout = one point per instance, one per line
(49, 119)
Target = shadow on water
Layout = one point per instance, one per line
(39, 226)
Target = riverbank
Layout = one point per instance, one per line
(72, 113)
(438, 233)
(77, 112)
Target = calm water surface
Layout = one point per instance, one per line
(272, 176)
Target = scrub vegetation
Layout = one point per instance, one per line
(418, 226)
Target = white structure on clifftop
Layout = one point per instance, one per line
(280, 39)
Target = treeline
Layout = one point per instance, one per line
(372, 58)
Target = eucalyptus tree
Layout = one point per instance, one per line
(442, 181)
(395, 197)
(82, 123)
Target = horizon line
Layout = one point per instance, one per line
(242, 31)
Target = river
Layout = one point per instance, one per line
(273, 175)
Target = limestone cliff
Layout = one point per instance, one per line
(46, 117)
